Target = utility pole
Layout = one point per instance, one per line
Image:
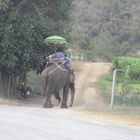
(113, 86)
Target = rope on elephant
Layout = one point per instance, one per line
(57, 67)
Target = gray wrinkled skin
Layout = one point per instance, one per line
(54, 79)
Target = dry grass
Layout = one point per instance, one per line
(7, 102)
(110, 117)
(77, 66)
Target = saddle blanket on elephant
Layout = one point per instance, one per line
(60, 58)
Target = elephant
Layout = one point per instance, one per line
(55, 78)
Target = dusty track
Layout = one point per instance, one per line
(30, 123)
(86, 91)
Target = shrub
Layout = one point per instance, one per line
(133, 63)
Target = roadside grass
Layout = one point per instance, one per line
(34, 81)
(131, 104)
(10, 101)
(76, 66)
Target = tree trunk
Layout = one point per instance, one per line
(22, 78)
(0, 84)
(7, 85)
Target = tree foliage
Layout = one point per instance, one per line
(23, 26)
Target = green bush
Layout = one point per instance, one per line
(133, 63)
(34, 81)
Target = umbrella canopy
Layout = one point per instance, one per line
(55, 40)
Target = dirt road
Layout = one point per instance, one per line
(86, 91)
(30, 123)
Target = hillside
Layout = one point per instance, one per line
(106, 28)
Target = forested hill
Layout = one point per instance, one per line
(106, 27)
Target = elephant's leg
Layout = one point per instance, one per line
(45, 102)
(57, 96)
(44, 88)
(72, 90)
(44, 85)
(48, 101)
(65, 97)
(43, 79)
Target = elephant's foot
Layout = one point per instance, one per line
(64, 106)
(71, 104)
(47, 106)
(57, 103)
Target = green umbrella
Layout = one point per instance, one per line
(57, 40)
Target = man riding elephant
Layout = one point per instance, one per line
(56, 77)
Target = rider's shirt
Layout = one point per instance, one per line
(57, 57)
(60, 58)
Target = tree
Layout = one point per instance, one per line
(23, 26)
